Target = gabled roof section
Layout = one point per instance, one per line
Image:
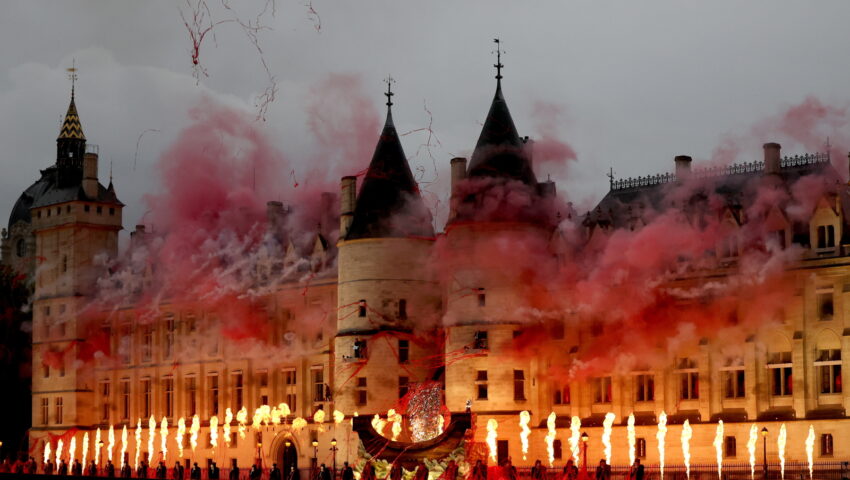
(71, 127)
(500, 152)
(389, 204)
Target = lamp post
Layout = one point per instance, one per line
(764, 450)
(334, 450)
(315, 467)
(584, 438)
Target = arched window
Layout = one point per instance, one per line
(21, 248)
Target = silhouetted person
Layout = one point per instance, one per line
(292, 474)
(126, 471)
(195, 472)
(142, 471)
(570, 471)
(255, 472)
(77, 468)
(479, 471)
(92, 469)
(161, 471)
(19, 466)
(234, 470)
(348, 472)
(213, 472)
(62, 468)
(603, 471)
(510, 469)
(110, 469)
(274, 473)
(636, 472)
(32, 466)
(324, 473)
(48, 467)
(178, 472)
(538, 471)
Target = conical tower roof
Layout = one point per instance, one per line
(71, 127)
(500, 152)
(389, 204)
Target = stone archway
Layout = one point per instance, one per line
(286, 457)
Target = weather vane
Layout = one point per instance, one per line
(389, 81)
(498, 64)
(72, 75)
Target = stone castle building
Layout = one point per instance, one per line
(371, 355)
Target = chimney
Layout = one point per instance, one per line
(458, 167)
(327, 215)
(274, 215)
(90, 175)
(347, 200)
(683, 166)
(771, 158)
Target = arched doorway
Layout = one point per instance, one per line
(288, 460)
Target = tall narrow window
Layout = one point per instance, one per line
(403, 383)
(168, 395)
(125, 399)
(561, 395)
(688, 379)
(59, 411)
(318, 384)
(147, 398)
(263, 379)
(125, 344)
(238, 388)
(147, 343)
(482, 297)
(825, 305)
(168, 343)
(403, 351)
(481, 385)
(734, 379)
(826, 444)
(730, 447)
(361, 392)
(519, 385)
(192, 397)
(104, 401)
(602, 390)
(212, 379)
(780, 367)
(557, 449)
(828, 364)
(290, 388)
(644, 387)
(361, 308)
(640, 447)
(45, 411)
(479, 341)
(402, 309)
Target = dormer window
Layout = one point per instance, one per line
(479, 341)
(826, 236)
(359, 349)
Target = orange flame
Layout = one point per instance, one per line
(524, 418)
(72, 449)
(242, 418)
(810, 449)
(661, 435)
(46, 452)
(151, 435)
(214, 431)
(687, 433)
(492, 428)
(228, 419)
(59, 446)
(575, 438)
(751, 448)
(97, 447)
(163, 436)
(780, 442)
(607, 424)
(396, 418)
(630, 434)
(550, 438)
(718, 448)
(123, 445)
(138, 441)
(338, 417)
(194, 429)
(85, 447)
(181, 432)
(111, 444)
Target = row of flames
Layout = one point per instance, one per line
(263, 417)
(661, 437)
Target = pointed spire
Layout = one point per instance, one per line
(389, 204)
(71, 127)
(500, 152)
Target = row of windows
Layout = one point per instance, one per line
(69, 208)
(165, 391)
(482, 387)
(827, 364)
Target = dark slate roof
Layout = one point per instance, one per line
(628, 199)
(500, 152)
(48, 190)
(389, 204)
